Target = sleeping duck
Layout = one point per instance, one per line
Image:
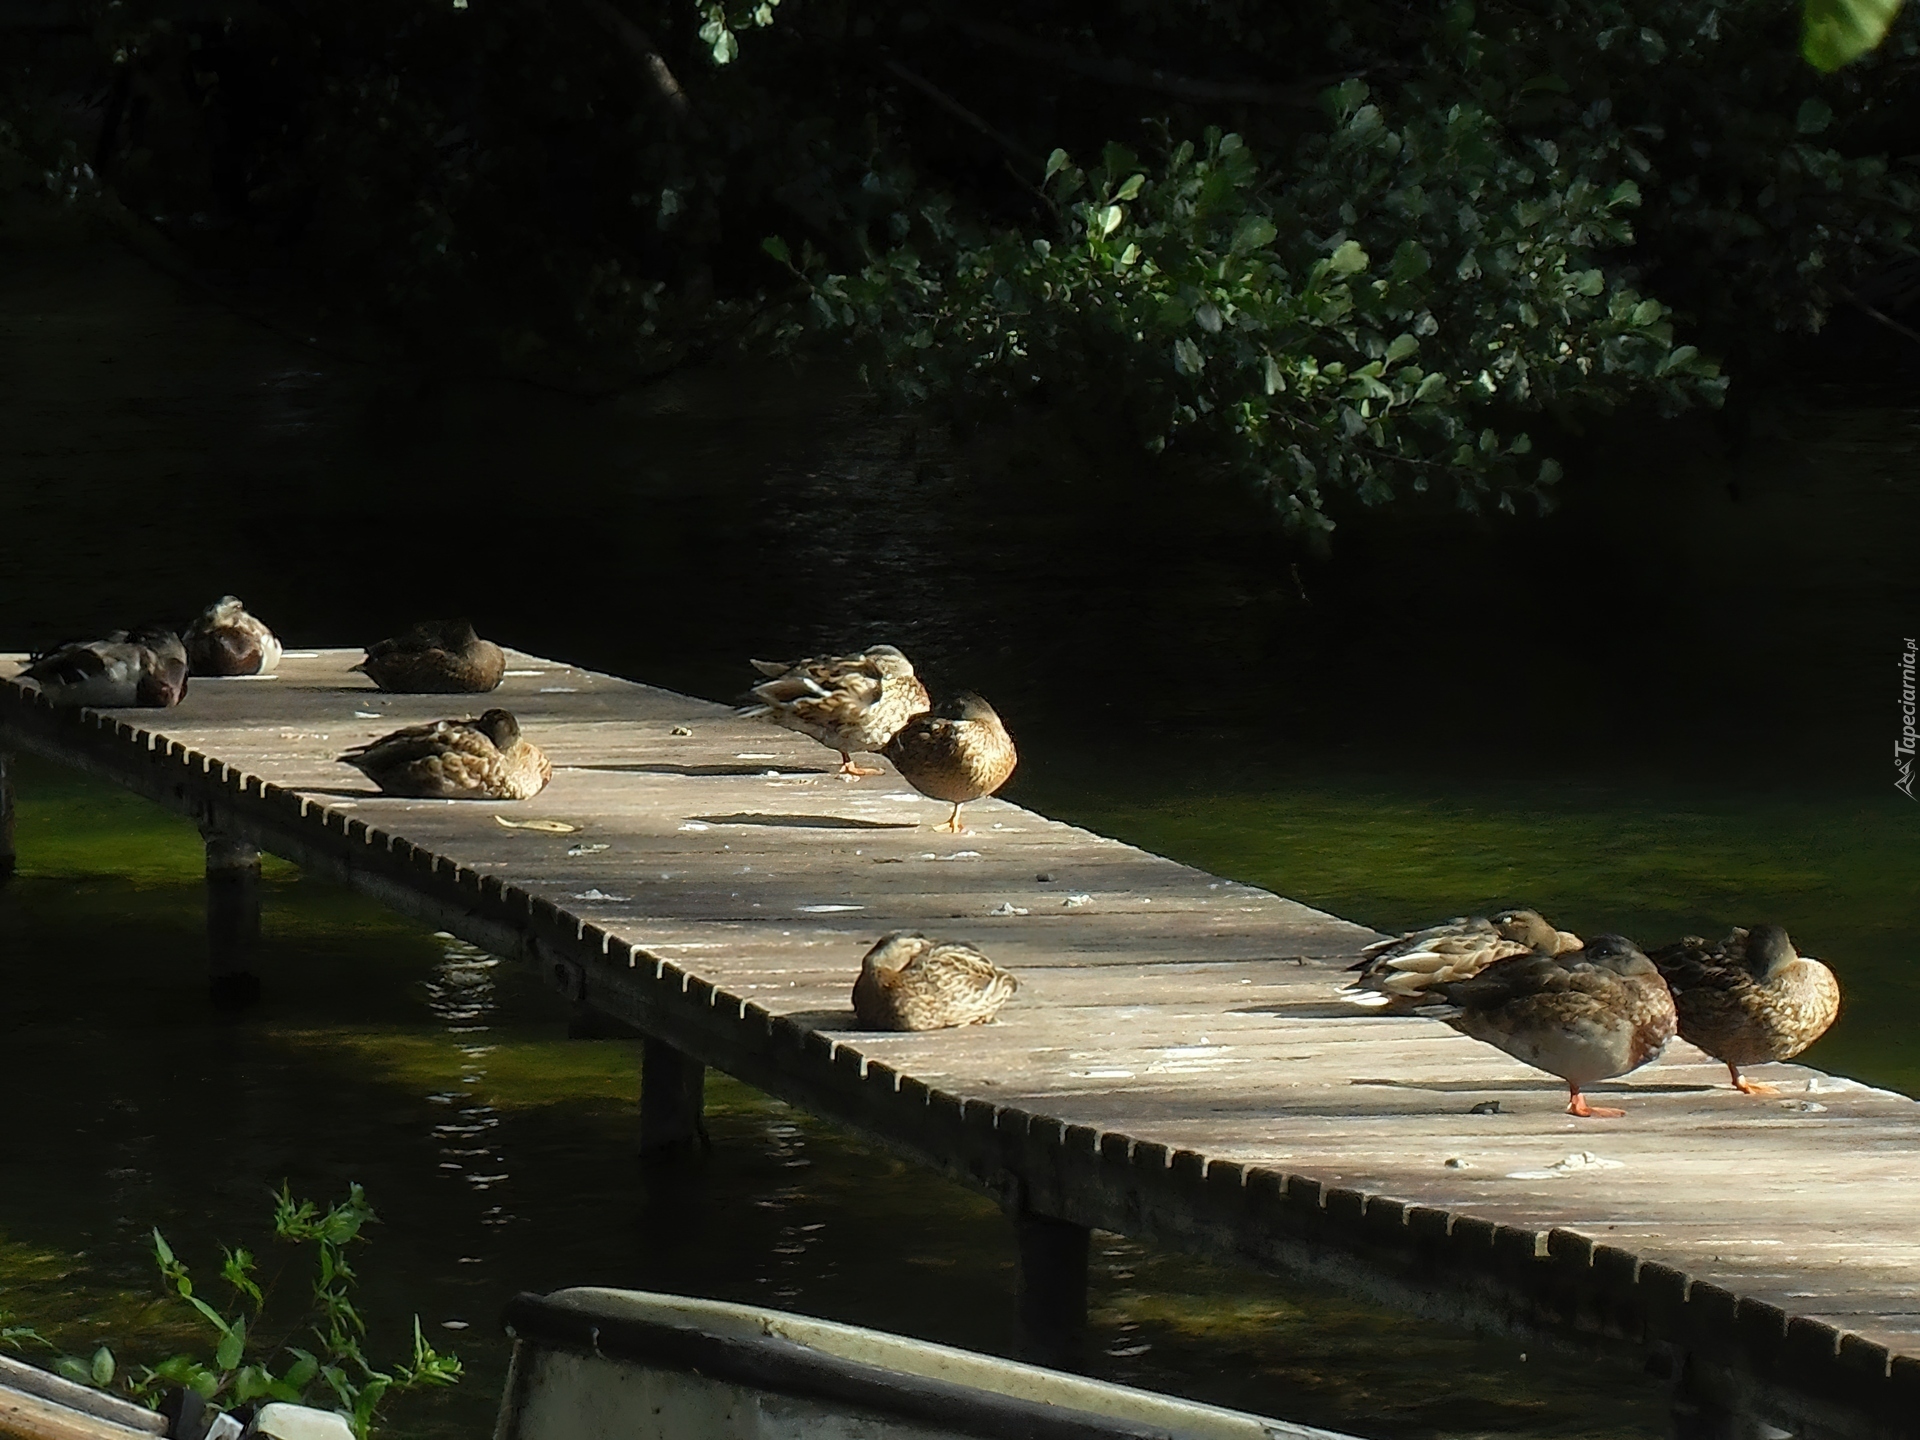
(957, 755)
(1749, 999)
(1400, 974)
(483, 759)
(908, 982)
(145, 666)
(1585, 1016)
(227, 640)
(435, 657)
(847, 702)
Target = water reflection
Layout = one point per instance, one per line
(1319, 725)
(461, 996)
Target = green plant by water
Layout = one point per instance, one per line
(246, 1366)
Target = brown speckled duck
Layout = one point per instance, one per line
(908, 982)
(1585, 1016)
(483, 759)
(1749, 999)
(435, 657)
(956, 754)
(144, 667)
(228, 640)
(847, 702)
(1403, 972)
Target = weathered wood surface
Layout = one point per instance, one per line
(1178, 1063)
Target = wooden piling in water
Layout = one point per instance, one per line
(7, 853)
(672, 1101)
(1052, 1299)
(233, 918)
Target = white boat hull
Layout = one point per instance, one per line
(593, 1364)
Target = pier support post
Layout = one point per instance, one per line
(6, 817)
(1705, 1404)
(233, 918)
(672, 1090)
(1053, 1288)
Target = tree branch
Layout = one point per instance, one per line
(1137, 77)
(639, 44)
(1875, 315)
(960, 112)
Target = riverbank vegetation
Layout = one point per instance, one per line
(243, 1368)
(1365, 253)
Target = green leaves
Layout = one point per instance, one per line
(1255, 232)
(1813, 117)
(1236, 307)
(233, 1344)
(1410, 262)
(719, 24)
(236, 1376)
(1835, 32)
(1348, 258)
(14, 1336)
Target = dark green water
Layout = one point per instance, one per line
(1668, 708)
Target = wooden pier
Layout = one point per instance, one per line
(1177, 1065)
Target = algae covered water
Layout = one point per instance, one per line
(1667, 709)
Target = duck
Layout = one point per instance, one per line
(143, 667)
(435, 657)
(959, 754)
(227, 640)
(1400, 974)
(848, 703)
(1585, 1016)
(470, 759)
(909, 982)
(1749, 999)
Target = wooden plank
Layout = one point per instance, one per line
(20, 1377)
(1179, 1062)
(29, 1417)
(7, 853)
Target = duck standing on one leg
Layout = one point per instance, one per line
(908, 982)
(1585, 1016)
(228, 640)
(848, 703)
(1401, 973)
(1750, 999)
(144, 667)
(435, 657)
(958, 754)
(483, 759)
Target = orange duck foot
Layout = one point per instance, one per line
(1750, 1087)
(850, 771)
(1577, 1105)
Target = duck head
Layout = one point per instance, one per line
(1769, 951)
(163, 670)
(969, 706)
(499, 726)
(895, 951)
(888, 660)
(1528, 927)
(1618, 954)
